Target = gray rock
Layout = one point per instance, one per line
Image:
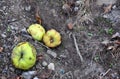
(3, 35)
(53, 54)
(28, 75)
(44, 63)
(51, 66)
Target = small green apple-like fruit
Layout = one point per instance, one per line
(52, 38)
(23, 55)
(36, 31)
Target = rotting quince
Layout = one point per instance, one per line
(36, 31)
(52, 38)
(23, 55)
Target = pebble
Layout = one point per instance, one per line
(29, 74)
(63, 56)
(3, 35)
(44, 63)
(114, 7)
(78, 2)
(13, 27)
(76, 9)
(62, 71)
(12, 69)
(35, 78)
(28, 8)
(53, 54)
(51, 66)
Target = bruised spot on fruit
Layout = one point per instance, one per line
(30, 58)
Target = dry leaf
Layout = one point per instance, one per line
(39, 57)
(117, 42)
(108, 8)
(70, 26)
(18, 77)
(38, 19)
(1, 49)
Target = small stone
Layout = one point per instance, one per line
(12, 69)
(44, 63)
(62, 71)
(78, 2)
(63, 56)
(35, 78)
(51, 66)
(3, 35)
(28, 8)
(114, 7)
(53, 54)
(28, 75)
(76, 9)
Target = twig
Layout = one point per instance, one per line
(43, 45)
(104, 74)
(77, 49)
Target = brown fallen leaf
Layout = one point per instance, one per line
(18, 77)
(108, 8)
(117, 42)
(46, 74)
(70, 26)
(1, 49)
(40, 57)
(37, 17)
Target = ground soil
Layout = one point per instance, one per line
(91, 26)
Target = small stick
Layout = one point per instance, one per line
(105, 73)
(76, 46)
(43, 45)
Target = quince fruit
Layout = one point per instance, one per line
(23, 56)
(52, 38)
(36, 31)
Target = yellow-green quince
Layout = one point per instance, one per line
(36, 31)
(23, 55)
(52, 38)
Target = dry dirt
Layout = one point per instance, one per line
(91, 26)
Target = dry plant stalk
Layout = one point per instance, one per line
(103, 75)
(77, 49)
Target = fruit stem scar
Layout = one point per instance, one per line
(51, 40)
(21, 55)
